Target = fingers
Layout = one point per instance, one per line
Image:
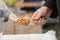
(36, 15)
(35, 22)
(41, 21)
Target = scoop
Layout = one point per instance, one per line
(25, 21)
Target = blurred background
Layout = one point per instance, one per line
(22, 8)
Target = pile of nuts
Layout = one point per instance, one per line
(22, 21)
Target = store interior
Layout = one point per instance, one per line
(21, 9)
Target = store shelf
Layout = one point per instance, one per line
(29, 4)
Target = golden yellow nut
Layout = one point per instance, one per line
(22, 21)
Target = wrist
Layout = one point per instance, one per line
(46, 11)
(45, 8)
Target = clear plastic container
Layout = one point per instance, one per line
(10, 28)
(30, 29)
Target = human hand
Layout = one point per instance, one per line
(41, 15)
